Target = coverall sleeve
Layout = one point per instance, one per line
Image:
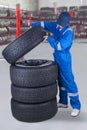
(36, 24)
(64, 43)
(46, 25)
(52, 42)
(49, 26)
(66, 40)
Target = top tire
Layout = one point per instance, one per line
(23, 44)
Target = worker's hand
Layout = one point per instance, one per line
(30, 27)
(45, 37)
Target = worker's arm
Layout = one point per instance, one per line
(46, 25)
(64, 42)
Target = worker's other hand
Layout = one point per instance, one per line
(45, 37)
(30, 27)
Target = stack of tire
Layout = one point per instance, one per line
(33, 82)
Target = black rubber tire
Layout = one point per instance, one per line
(34, 95)
(33, 112)
(23, 44)
(34, 73)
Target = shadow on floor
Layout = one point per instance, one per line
(64, 115)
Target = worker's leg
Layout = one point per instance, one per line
(63, 99)
(72, 90)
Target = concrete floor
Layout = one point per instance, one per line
(62, 120)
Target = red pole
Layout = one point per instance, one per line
(18, 20)
(55, 9)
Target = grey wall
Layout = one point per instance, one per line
(35, 4)
(58, 3)
(25, 4)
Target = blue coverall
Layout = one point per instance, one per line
(61, 41)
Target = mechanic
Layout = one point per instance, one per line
(61, 42)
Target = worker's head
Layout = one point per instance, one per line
(63, 19)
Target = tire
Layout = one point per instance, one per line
(33, 112)
(23, 44)
(33, 73)
(34, 95)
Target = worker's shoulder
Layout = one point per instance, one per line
(68, 30)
